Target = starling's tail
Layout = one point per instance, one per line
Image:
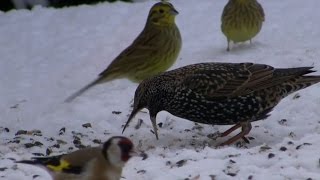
(287, 72)
(307, 80)
(299, 83)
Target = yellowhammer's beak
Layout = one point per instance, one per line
(174, 12)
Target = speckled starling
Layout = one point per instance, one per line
(220, 93)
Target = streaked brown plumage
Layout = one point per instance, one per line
(96, 163)
(241, 20)
(220, 93)
(154, 51)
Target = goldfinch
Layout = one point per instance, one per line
(95, 163)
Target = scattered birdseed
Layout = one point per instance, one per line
(59, 141)
(35, 176)
(38, 154)
(116, 112)
(36, 143)
(87, 125)
(144, 155)
(304, 144)
(168, 163)
(283, 122)
(283, 148)
(97, 141)
(3, 168)
(141, 171)
(296, 96)
(138, 125)
(21, 132)
(271, 155)
(213, 177)
(48, 151)
(62, 131)
(181, 163)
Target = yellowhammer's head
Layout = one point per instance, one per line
(162, 14)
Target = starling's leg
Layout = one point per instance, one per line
(230, 130)
(154, 125)
(246, 127)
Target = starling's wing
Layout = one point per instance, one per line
(136, 54)
(227, 80)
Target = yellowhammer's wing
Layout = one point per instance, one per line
(227, 8)
(139, 51)
(227, 80)
(261, 11)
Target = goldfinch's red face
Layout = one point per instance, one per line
(118, 150)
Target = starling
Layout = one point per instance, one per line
(220, 93)
(103, 163)
(241, 20)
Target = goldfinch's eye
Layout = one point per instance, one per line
(161, 11)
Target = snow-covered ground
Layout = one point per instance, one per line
(47, 54)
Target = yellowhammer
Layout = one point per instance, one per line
(241, 20)
(154, 51)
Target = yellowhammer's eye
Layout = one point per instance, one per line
(161, 11)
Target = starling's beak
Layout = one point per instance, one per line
(133, 113)
(174, 12)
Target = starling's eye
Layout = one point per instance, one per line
(161, 11)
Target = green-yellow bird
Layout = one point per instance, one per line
(154, 51)
(241, 20)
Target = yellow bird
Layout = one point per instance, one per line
(99, 163)
(241, 20)
(154, 51)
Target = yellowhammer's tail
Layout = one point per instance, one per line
(82, 90)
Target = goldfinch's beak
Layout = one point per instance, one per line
(134, 152)
(137, 153)
(174, 12)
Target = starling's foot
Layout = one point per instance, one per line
(230, 130)
(246, 127)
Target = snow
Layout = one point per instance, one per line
(47, 54)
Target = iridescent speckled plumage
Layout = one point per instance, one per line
(220, 93)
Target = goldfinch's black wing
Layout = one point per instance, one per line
(54, 164)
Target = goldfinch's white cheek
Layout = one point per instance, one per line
(114, 155)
